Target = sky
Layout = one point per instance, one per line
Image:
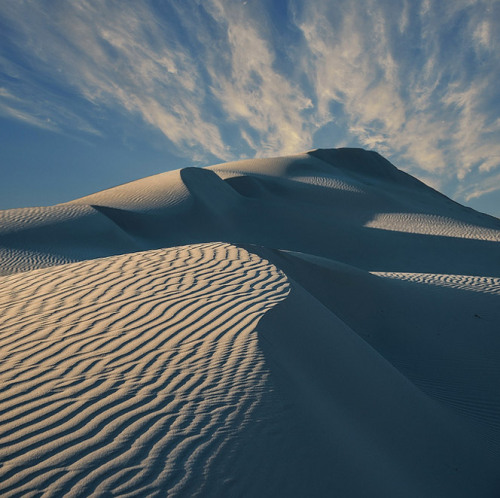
(97, 93)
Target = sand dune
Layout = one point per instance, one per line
(312, 325)
(132, 373)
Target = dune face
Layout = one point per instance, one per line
(313, 325)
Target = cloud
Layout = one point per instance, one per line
(482, 35)
(116, 56)
(160, 66)
(478, 191)
(26, 117)
(42, 109)
(265, 104)
(481, 192)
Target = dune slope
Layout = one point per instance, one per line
(134, 373)
(312, 325)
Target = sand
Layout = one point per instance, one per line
(313, 325)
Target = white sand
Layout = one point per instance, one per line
(314, 325)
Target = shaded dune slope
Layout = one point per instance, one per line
(381, 435)
(312, 325)
(439, 331)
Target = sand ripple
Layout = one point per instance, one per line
(130, 373)
(431, 224)
(488, 285)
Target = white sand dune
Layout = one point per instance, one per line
(313, 325)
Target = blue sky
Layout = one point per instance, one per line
(97, 93)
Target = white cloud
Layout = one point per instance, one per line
(6, 94)
(482, 35)
(123, 56)
(479, 192)
(26, 117)
(479, 187)
(404, 19)
(352, 65)
(253, 93)
(42, 110)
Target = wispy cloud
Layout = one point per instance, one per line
(354, 62)
(480, 190)
(266, 105)
(116, 55)
(42, 109)
(27, 117)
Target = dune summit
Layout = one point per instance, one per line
(321, 324)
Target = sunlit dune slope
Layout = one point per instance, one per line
(313, 325)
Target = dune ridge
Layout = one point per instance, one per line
(311, 325)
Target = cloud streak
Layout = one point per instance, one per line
(266, 105)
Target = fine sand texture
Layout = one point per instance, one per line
(313, 325)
